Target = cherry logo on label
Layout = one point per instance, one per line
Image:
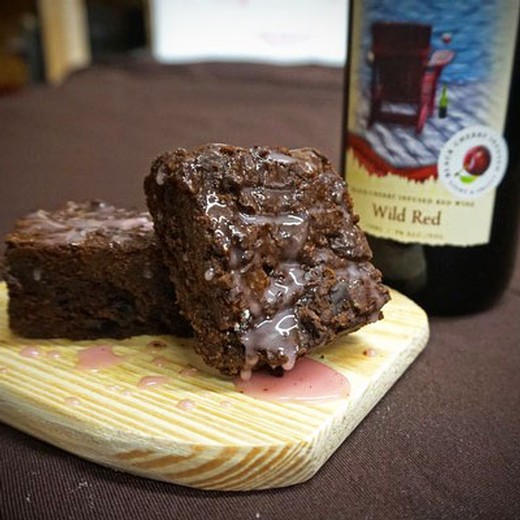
(476, 163)
(473, 162)
(477, 160)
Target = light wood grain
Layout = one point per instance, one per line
(228, 441)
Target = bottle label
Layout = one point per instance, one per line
(428, 92)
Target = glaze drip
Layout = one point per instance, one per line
(261, 293)
(286, 286)
(273, 293)
(277, 336)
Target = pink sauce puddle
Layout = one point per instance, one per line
(308, 381)
(160, 361)
(31, 352)
(186, 404)
(152, 381)
(72, 401)
(54, 354)
(370, 352)
(97, 357)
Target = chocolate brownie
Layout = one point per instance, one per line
(87, 271)
(265, 251)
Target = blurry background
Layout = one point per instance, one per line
(45, 40)
(92, 90)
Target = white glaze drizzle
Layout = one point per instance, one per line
(74, 224)
(278, 334)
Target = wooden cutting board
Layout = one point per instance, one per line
(154, 415)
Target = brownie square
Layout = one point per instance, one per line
(86, 271)
(264, 250)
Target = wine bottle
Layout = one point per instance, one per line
(443, 103)
(438, 197)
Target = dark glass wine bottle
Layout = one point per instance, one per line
(438, 197)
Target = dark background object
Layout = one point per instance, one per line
(468, 279)
(18, 36)
(451, 280)
(115, 27)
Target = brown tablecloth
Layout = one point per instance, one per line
(443, 443)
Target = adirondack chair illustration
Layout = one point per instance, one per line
(404, 73)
